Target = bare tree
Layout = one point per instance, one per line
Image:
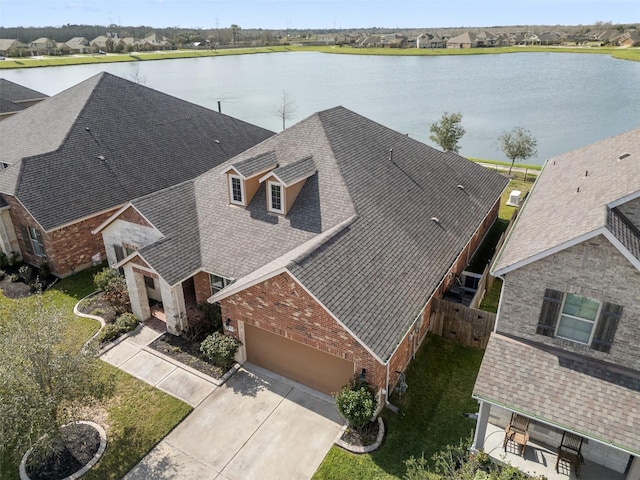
(517, 144)
(286, 109)
(136, 76)
(447, 132)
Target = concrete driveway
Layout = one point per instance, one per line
(256, 426)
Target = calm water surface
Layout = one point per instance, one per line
(566, 100)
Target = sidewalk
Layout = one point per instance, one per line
(135, 357)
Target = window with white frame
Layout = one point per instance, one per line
(236, 190)
(36, 241)
(218, 283)
(275, 198)
(579, 319)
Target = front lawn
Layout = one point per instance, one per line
(136, 415)
(440, 382)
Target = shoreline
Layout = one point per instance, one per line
(620, 53)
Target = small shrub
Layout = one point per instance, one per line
(2, 274)
(14, 277)
(4, 260)
(104, 277)
(114, 286)
(108, 333)
(45, 270)
(98, 312)
(37, 285)
(25, 272)
(212, 314)
(220, 349)
(126, 322)
(357, 403)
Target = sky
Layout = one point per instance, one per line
(313, 14)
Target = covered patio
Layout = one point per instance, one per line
(540, 459)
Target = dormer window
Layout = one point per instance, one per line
(275, 197)
(236, 190)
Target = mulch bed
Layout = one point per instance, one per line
(80, 444)
(14, 289)
(97, 305)
(361, 438)
(186, 352)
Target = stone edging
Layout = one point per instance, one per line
(83, 470)
(367, 448)
(77, 312)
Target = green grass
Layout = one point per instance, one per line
(137, 415)
(440, 381)
(505, 164)
(26, 62)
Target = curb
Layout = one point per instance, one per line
(367, 448)
(78, 313)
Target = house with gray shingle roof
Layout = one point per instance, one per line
(564, 351)
(324, 246)
(75, 158)
(15, 98)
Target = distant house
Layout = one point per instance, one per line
(486, 39)
(428, 40)
(42, 46)
(154, 41)
(102, 43)
(15, 98)
(324, 245)
(464, 40)
(9, 46)
(75, 158)
(630, 38)
(564, 350)
(128, 44)
(77, 45)
(388, 40)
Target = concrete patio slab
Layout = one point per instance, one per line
(119, 354)
(147, 367)
(186, 386)
(291, 443)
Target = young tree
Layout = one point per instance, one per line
(517, 144)
(285, 109)
(447, 132)
(357, 403)
(42, 378)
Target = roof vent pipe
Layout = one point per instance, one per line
(623, 156)
(391, 154)
(435, 220)
(219, 107)
(461, 187)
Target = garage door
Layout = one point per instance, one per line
(296, 361)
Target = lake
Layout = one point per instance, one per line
(566, 100)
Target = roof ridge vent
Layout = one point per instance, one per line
(624, 155)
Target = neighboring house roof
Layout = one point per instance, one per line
(463, 39)
(106, 141)
(17, 93)
(570, 199)
(381, 254)
(77, 43)
(7, 106)
(563, 389)
(8, 43)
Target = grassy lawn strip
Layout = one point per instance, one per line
(26, 62)
(137, 416)
(440, 381)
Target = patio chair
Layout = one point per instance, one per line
(516, 432)
(569, 450)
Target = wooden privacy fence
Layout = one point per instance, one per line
(467, 326)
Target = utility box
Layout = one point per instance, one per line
(514, 198)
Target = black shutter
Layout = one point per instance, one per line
(27, 239)
(606, 327)
(550, 312)
(40, 241)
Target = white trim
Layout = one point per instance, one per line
(623, 200)
(230, 178)
(270, 174)
(120, 211)
(593, 322)
(270, 206)
(571, 243)
(550, 423)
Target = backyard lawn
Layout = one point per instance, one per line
(440, 382)
(136, 415)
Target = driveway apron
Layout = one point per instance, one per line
(257, 425)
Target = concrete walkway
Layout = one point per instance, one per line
(257, 425)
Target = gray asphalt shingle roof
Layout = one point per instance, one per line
(7, 106)
(252, 166)
(106, 141)
(15, 92)
(571, 195)
(564, 389)
(377, 273)
(296, 171)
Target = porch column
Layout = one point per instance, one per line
(634, 471)
(137, 293)
(175, 311)
(481, 426)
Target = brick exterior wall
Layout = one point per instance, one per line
(131, 215)
(69, 249)
(281, 306)
(595, 269)
(202, 286)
